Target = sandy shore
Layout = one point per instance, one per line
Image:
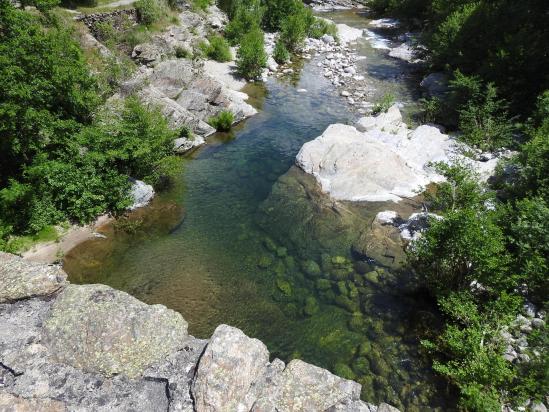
(50, 252)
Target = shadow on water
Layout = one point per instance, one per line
(246, 238)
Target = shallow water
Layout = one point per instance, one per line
(233, 240)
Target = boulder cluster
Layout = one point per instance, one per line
(381, 159)
(67, 347)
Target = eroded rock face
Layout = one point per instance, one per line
(229, 367)
(305, 387)
(96, 328)
(12, 403)
(20, 279)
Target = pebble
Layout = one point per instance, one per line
(345, 93)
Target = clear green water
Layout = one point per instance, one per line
(233, 240)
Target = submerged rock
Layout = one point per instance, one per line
(90, 347)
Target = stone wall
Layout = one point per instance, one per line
(70, 347)
(120, 19)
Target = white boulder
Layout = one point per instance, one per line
(380, 159)
(141, 194)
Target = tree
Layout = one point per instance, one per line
(251, 56)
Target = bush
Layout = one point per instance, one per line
(294, 28)
(484, 121)
(463, 247)
(280, 52)
(276, 11)
(320, 27)
(251, 56)
(245, 16)
(183, 53)
(201, 4)
(218, 49)
(150, 11)
(383, 104)
(223, 122)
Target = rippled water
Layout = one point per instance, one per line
(235, 240)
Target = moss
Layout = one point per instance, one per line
(289, 261)
(361, 267)
(344, 371)
(311, 306)
(353, 291)
(279, 268)
(364, 348)
(328, 295)
(379, 365)
(361, 365)
(372, 277)
(311, 268)
(281, 252)
(356, 323)
(265, 261)
(347, 303)
(339, 260)
(342, 288)
(290, 310)
(269, 244)
(341, 273)
(323, 284)
(284, 286)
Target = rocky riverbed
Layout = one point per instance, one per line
(90, 347)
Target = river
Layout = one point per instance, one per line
(240, 237)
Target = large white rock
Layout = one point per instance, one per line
(141, 194)
(380, 159)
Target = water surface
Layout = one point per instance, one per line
(245, 238)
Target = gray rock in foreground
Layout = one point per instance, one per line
(91, 348)
(21, 279)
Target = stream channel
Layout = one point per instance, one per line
(246, 239)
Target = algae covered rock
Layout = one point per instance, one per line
(284, 286)
(311, 306)
(21, 279)
(227, 371)
(265, 261)
(96, 328)
(311, 268)
(344, 371)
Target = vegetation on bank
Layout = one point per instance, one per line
(249, 18)
(63, 156)
(489, 254)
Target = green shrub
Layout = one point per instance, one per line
(383, 104)
(201, 4)
(218, 49)
(320, 27)
(484, 120)
(150, 11)
(293, 30)
(280, 52)
(245, 16)
(183, 53)
(223, 122)
(105, 31)
(276, 11)
(251, 56)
